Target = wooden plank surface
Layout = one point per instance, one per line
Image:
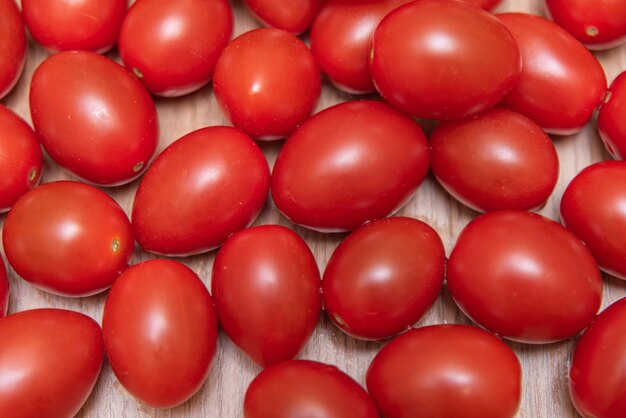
(545, 366)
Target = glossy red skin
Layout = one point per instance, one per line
(4, 289)
(295, 16)
(68, 238)
(172, 46)
(498, 160)
(64, 25)
(611, 121)
(93, 117)
(21, 159)
(302, 388)
(12, 45)
(267, 83)
(160, 332)
(446, 371)
(485, 4)
(367, 160)
(562, 83)
(267, 292)
(50, 360)
(524, 277)
(429, 60)
(222, 180)
(383, 277)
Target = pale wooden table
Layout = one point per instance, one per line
(545, 366)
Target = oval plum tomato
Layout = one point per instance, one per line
(302, 388)
(63, 25)
(224, 179)
(172, 46)
(497, 160)
(562, 83)
(611, 121)
(446, 371)
(443, 59)
(21, 159)
(160, 332)
(68, 238)
(383, 277)
(93, 117)
(50, 360)
(524, 277)
(4, 289)
(294, 16)
(12, 45)
(267, 292)
(349, 164)
(267, 83)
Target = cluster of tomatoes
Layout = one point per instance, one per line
(496, 85)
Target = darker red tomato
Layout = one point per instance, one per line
(4, 289)
(160, 332)
(12, 45)
(294, 16)
(68, 238)
(267, 292)
(383, 277)
(446, 371)
(611, 121)
(301, 388)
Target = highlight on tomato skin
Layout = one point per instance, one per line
(611, 122)
(12, 44)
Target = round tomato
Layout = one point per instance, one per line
(383, 277)
(294, 16)
(366, 160)
(267, 292)
(4, 289)
(611, 121)
(446, 371)
(68, 238)
(12, 45)
(160, 332)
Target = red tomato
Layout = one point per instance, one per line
(50, 360)
(485, 4)
(93, 117)
(172, 46)
(4, 289)
(383, 277)
(443, 59)
(366, 159)
(294, 16)
(267, 83)
(524, 277)
(562, 83)
(160, 332)
(68, 238)
(497, 160)
(267, 292)
(446, 371)
(12, 45)
(301, 388)
(611, 121)
(222, 180)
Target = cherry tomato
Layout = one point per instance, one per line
(383, 277)
(524, 277)
(267, 292)
(93, 117)
(443, 59)
(267, 83)
(172, 46)
(446, 371)
(562, 83)
(160, 332)
(222, 179)
(302, 388)
(367, 161)
(294, 16)
(12, 45)
(68, 238)
(50, 360)
(611, 121)
(497, 160)
(4, 289)
(485, 4)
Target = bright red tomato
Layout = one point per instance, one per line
(383, 277)
(93, 117)
(172, 46)
(524, 277)
(222, 180)
(497, 160)
(267, 292)
(429, 59)
(267, 83)
(50, 360)
(446, 371)
(294, 16)
(4, 289)
(12, 45)
(349, 164)
(485, 4)
(301, 388)
(611, 120)
(68, 238)
(160, 332)
(562, 83)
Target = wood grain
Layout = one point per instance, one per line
(545, 366)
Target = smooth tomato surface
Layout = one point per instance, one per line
(294, 16)
(4, 289)
(485, 4)
(12, 45)
(611, 121)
